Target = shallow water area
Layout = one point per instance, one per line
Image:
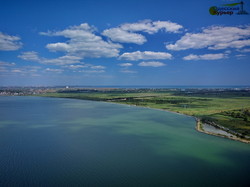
(67, 142)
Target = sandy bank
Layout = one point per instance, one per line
(200, 128)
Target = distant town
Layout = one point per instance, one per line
(25, 91)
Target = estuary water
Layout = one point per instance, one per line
(67, 142)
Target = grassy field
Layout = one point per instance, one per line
(226, 108)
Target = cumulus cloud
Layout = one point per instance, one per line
(247, 50)
(146, 55)
(83, 42)
(125, 33)
(16, 71)
(205, 57)
(123, 36)
(84, 66)
(54, 70)
(152, 64)
(151, 27)
(9, 43)
(240, 56)
(125, 64)
(5, 66)
(76, 66)
(8, 64)
(67, 62)
(217, 37)
(30, 56)
(34, 57)
(167, 26)
(127, 71)
(91, 71)
(125, 68)
(67, 59)
(23, 70)
(97, 67)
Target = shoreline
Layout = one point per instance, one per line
(198, 126)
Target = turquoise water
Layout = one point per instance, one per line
(66, 142)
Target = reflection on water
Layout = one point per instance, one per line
(63, 142)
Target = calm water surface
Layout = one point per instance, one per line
(63, 142)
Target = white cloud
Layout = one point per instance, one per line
(75, 66)
(23, 70)
(245, 50)
(127, 71)
(6, 67)
(97, 67)
(59, 47)
(151, 27)
(84, 66)
(54, 70)
(67, 59)
(141, 26)
(125, 33)
(215, 38)
(125, 64)
(146, 55)
(83, 42)
(63, 60)
(167, 26)
(205, 57)
(9, 43)
(240, 55)
(2, 63)
(152, 64)
(10, 67)
(191, 57)
(67, 62)
(123, 36)
(30, 56)
(82, 30)
(91, 71)
(125, 68)
(16, 71)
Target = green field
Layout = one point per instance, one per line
(226, 108)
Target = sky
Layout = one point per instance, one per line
(124, 42)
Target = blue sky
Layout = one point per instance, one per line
(132, 42)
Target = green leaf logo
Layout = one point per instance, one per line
(213, 10)
(233, 4)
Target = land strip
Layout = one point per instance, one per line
(200, 128)
(225, 109)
